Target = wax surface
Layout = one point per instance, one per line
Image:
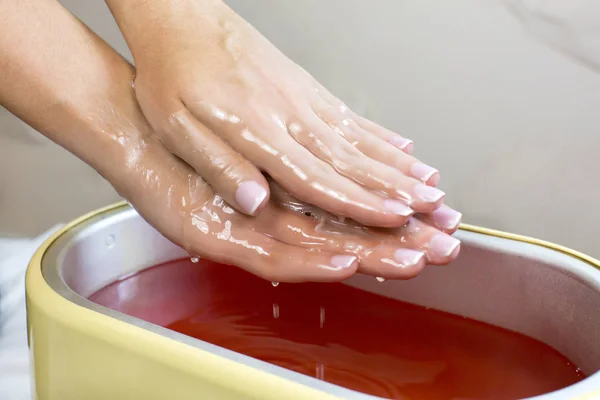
(342, 335)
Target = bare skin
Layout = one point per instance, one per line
(70, 85)
(224, 99)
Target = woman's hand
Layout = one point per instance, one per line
(288, 242)
(226, 101)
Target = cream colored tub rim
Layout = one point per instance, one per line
(257, 374)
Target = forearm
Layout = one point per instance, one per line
(63, 80)
(144, 23)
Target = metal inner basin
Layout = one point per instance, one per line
(540, 292)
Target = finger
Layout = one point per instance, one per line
(444, 218)
(343, 122)
(390, 262)
(407, 164)
(400, 142)
(302, 174)
(377, 149)
(379, 254)
(268, 258)
(439, 247)
(227, 172)
(330, 146)
(379, 131)
(340, 196)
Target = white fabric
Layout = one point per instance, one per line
(14, 355)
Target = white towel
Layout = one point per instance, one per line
(14, 355)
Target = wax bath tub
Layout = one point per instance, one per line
(81, 350)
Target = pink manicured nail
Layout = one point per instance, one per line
(397, 207)
(400, 142)
(443, 245)
(422, 172)
(250, 195)
(446, 218)
(434, 180)
(343, 262)
(408, 257)
(428, 194)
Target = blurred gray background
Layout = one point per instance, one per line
(501, 96)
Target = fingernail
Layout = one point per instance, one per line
(407, 257)
(397, 207)
(250, 195)
(422, 172)
(428, 194)
(400, 142)
(446, 218)
(343, 262)
(443, 245)
(434, 180)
